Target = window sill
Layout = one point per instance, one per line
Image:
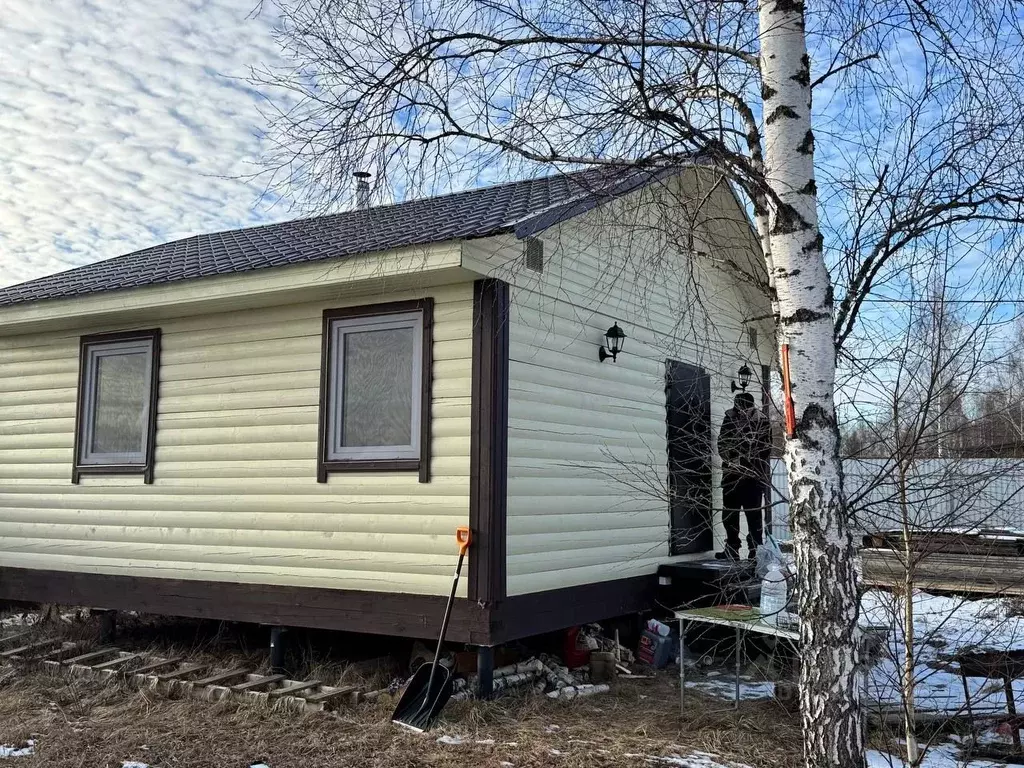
(112, 469)
(366, 465)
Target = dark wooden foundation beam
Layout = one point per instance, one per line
(540, 612)
(379, 613)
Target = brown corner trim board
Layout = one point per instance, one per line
(488, 452)
(381, 613)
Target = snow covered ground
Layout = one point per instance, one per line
(689, 760)
(939, 756)
(9, 750)
(942, 625)
(725, 688)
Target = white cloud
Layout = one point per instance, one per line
(126, 123)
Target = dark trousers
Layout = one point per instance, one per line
(742, 493)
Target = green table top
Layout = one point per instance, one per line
(747, 618)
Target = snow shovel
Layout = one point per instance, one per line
(431, 686)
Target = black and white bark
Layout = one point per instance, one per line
(830, 691)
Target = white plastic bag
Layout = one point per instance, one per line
(769, 554)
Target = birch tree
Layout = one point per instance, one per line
(433, 91)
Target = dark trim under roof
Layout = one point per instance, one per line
(523, 208)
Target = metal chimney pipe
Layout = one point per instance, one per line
(362, 189)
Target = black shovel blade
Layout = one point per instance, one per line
(421, 704)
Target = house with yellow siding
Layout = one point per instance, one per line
(286, 424)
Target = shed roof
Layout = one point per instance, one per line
(521, 207)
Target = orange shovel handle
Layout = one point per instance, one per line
(464, 537)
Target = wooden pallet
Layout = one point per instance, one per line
(944, 572)
(175, 675)
(983, 543)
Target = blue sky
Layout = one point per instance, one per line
(126, 123)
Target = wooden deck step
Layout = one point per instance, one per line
(91, 656)
(188, 669)
(16, 637)
(28, 648)
(58, 654)
(291, 690)
(324, 696)
(254, 685)
(223, 677)
(116, 662)
(152, 667)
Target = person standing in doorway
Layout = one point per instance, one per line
(744, 444)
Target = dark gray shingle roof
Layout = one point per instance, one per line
(523, 207)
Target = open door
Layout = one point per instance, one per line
(688, 429)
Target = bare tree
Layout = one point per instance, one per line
(441, 89)
(917, 484)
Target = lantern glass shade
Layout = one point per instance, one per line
(745, 373)
(615, 337)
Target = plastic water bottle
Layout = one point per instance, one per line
(774, 595)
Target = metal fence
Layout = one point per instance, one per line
(934, 494)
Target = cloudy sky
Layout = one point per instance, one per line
(125, 123)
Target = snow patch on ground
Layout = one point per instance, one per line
(9, 750)
(135, 764)
(692, 760)
(452, 740)
(942, 625)
(725, 688)
(939, 756)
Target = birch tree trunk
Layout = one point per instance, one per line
(828, 603)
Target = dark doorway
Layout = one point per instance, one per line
(688, 429)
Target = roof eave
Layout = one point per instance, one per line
(308, 281)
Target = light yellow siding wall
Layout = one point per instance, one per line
(235, 495)
(587, 450)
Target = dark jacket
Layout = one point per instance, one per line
(745, 444)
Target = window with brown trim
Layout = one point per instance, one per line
(375, 389)
(115, 423)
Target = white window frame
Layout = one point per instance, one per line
(339, 329)
(93, 352)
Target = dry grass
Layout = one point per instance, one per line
(87, 724)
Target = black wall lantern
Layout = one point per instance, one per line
(744, 373)
(613, 337)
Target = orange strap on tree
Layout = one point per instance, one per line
(789, 409)
(464, 537)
